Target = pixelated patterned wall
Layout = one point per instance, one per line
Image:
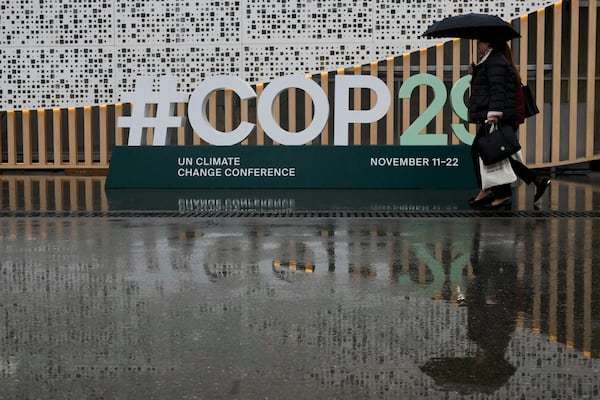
(60, 53)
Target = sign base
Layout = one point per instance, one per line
(298, 167)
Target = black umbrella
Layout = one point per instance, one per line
(473, 26)
(469, 375)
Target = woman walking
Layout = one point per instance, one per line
(494, 100)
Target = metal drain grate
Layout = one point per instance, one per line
(302, 214)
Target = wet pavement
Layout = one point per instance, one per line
(247, 295)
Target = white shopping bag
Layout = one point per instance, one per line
(496, 174)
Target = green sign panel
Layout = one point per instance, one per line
(332, 167)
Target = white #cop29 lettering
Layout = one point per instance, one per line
(167, 97)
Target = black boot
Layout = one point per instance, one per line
(541, 184)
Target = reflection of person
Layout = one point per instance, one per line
(491, 293)
(491, 308)
(493, 100)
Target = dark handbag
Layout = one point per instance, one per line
(498, 144)
(530, 107)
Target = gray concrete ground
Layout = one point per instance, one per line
(376, 305)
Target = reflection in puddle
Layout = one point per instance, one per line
(348, 308)
(87, 193)
(491, 302)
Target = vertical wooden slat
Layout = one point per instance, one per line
(590, 113)
(13, 228)
(570, 291)
(523, 47)
(277, 112)
(73, 194)
(228, 110)
(357, 128)
(89, 194)
(42, 148)
(58, 194)
(2, 145)
(523, 64)
(88, 137)
(405, 102)
(103, 135)
(11, 137)
(589, 198)
(26, 135)
(260, 133)
(148, 137)
(423, 88)
(212, 115)
(555, 196)
(244, 113)
(539, 88)
(390, 77)
(43, 190)
(553, 283)
(588, 292)
(57, 136)
(536, 283)
(44, 229)
(456, 77)
(12, 193)
(325, 88)
(373, 132)
(556, 83)
(119, 132)
(27, 193)
(72, 132)
(439, 73)
(181, 110)
(573, 79)
(28, 229)
(292, 110)
(308, 109)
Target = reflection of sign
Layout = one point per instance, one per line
(167, 97)
(291, 167)
(237, 204)
(267, 201)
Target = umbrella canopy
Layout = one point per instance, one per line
(473, 26)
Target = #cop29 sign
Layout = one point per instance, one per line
(421, 160)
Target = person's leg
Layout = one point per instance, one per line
(521, 170)
(483, 196)
(501, 193)
(528, 176)
(475, 160)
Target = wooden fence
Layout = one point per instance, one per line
(557, 57)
